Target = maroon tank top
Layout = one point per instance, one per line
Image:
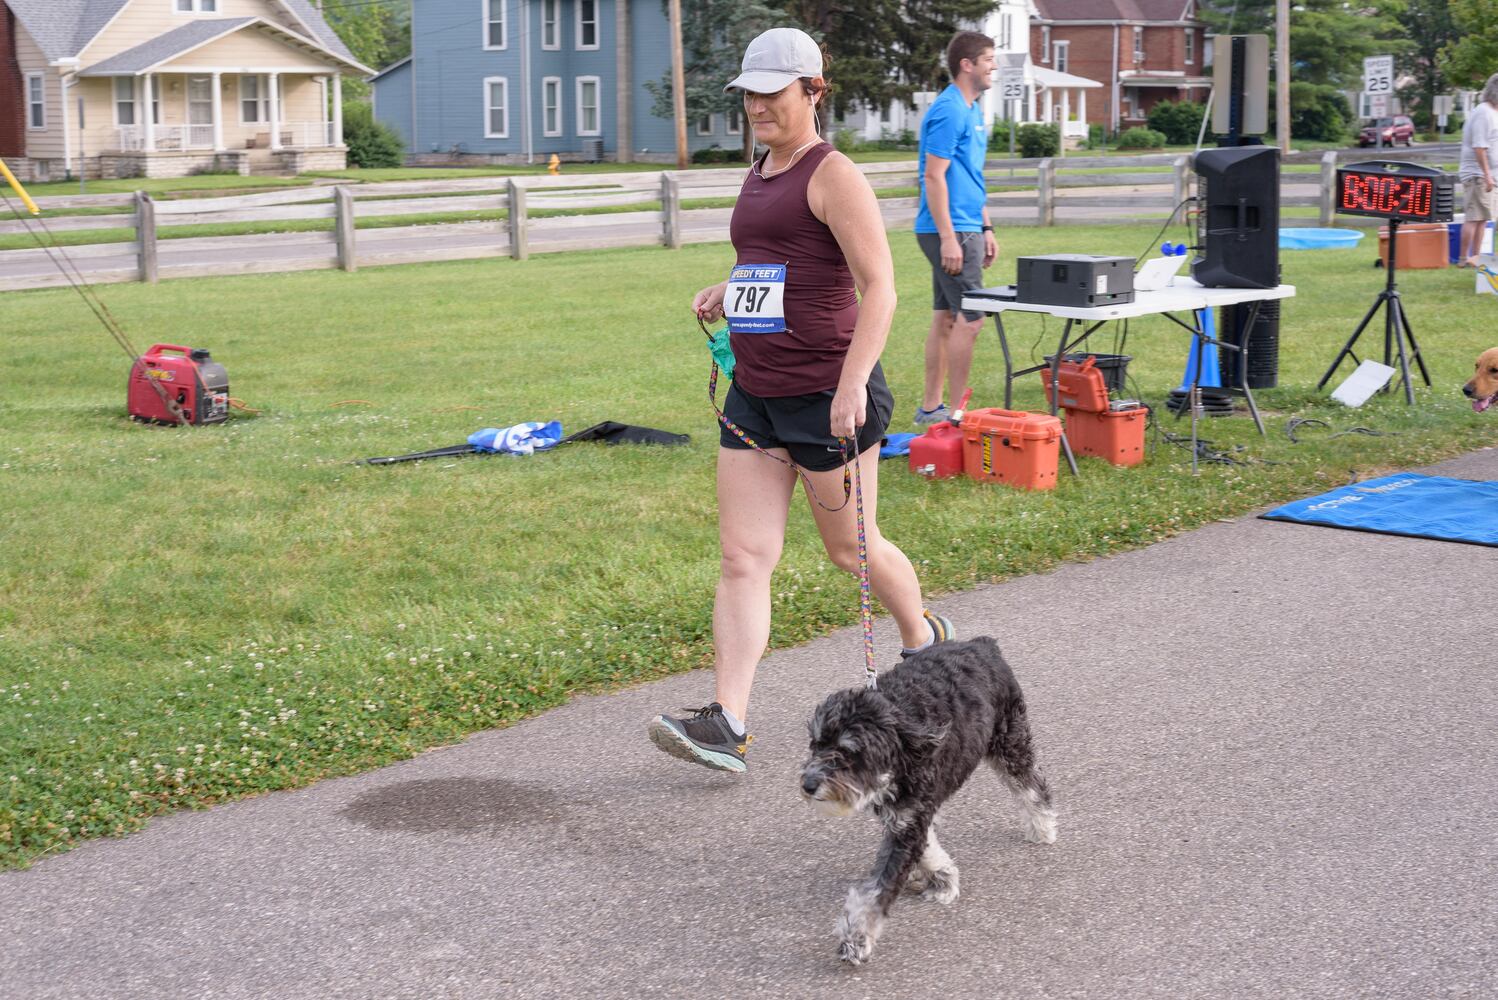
(773, 224)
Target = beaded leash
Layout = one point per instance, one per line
(852, 489)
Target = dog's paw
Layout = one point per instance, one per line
(941, 886)
(1040, 828)
(855, 949)
(916, 882)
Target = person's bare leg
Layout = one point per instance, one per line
(891, 576)
(960, 344)
(936, 358)
(754, 499)
(1471, 239)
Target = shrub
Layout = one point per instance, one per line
(1317, 111)
(370, 143)
(716, 154)
(1179, 121)
(1140, 138)
(1039, 140)
(998, 136)
(845, 141)
(1096, 138)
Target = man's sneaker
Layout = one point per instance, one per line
(941, 630)
(925, 418)
(705, 738)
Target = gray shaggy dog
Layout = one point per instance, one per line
(901, 751)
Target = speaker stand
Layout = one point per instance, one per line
(1397, 328)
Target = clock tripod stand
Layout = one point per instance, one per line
(1397, 328)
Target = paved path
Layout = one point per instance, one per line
(1273, 746)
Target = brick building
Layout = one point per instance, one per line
(1147, 50)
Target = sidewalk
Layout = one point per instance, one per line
(1273, 748)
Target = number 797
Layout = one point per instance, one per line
(750, 298)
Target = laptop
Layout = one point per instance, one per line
(1156, 273)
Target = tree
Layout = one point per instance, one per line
(885, 50)
(1472, 56)
(1429, 26)
(378, 34)
(1330, 38)
(714, 34)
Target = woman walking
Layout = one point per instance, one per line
(809, 240)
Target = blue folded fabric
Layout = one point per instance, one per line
(896, 445)
(521, 439)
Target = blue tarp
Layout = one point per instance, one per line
(1453, 510)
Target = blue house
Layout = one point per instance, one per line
(518, 80)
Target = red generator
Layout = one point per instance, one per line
(193, 385)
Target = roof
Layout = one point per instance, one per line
(1051, 79)
(168, 46)
(64, 28)
(1171, 11)
(390, 69)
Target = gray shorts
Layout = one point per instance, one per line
(1477, 201)
(947, 290)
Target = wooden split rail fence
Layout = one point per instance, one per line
(518, 216)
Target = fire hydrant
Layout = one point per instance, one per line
(554, 165)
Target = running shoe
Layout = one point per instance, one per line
(925, 418)
(941, 630)
(704, 737)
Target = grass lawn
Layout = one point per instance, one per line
(190, 615)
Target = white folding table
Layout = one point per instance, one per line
(1183, 295)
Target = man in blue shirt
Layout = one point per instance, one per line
(952, 226)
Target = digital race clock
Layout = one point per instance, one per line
(1392, 190)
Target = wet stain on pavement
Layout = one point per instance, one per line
(457, 805)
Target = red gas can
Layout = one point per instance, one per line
(938, 452)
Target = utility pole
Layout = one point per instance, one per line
(1282, 75)
(678, 86)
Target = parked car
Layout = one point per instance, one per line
(1396, 130)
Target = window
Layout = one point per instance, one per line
(551, 105)
(1045, 43)
(1062, 59)
(251, 101)
(196, 6)
(587, 24)
(551, 24)
(494, 24)
(705, 125)
(36, 101)
(733, 121)
(1139, 45)
(124, 100)
(1190, 46)
(587, 106)
(496, 108)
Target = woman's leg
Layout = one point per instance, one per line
(891, 577)
(754, 500)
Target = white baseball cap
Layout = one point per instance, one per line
(776, 59)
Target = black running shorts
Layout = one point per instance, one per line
(802, 424)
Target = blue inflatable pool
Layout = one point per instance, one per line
(1319, 239)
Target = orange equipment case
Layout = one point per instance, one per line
(1082, 385)
(1117, 435)
(1011, 446)
(1421, 245)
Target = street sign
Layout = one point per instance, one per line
(1378, 75)
(1012, 83)
(1378, 105)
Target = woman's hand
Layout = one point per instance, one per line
(850, 406)
(708, 303)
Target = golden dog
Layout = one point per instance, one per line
(1483, 389)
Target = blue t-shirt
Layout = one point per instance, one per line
(953, 130)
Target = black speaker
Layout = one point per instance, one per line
(1238, 219)
(1263, 346)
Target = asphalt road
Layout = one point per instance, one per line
(1273, 748)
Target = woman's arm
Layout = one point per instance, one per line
(840, 196)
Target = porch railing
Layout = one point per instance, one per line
(294, 135)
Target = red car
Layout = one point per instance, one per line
(1395, 130)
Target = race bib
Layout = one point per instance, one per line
(755, 299)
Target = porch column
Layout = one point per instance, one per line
(1065, 111)
(150, 119)
(1030, 93)
(337, 139)
(275, 111)
(1049, 114)
(1082, 106)
(218, 113)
